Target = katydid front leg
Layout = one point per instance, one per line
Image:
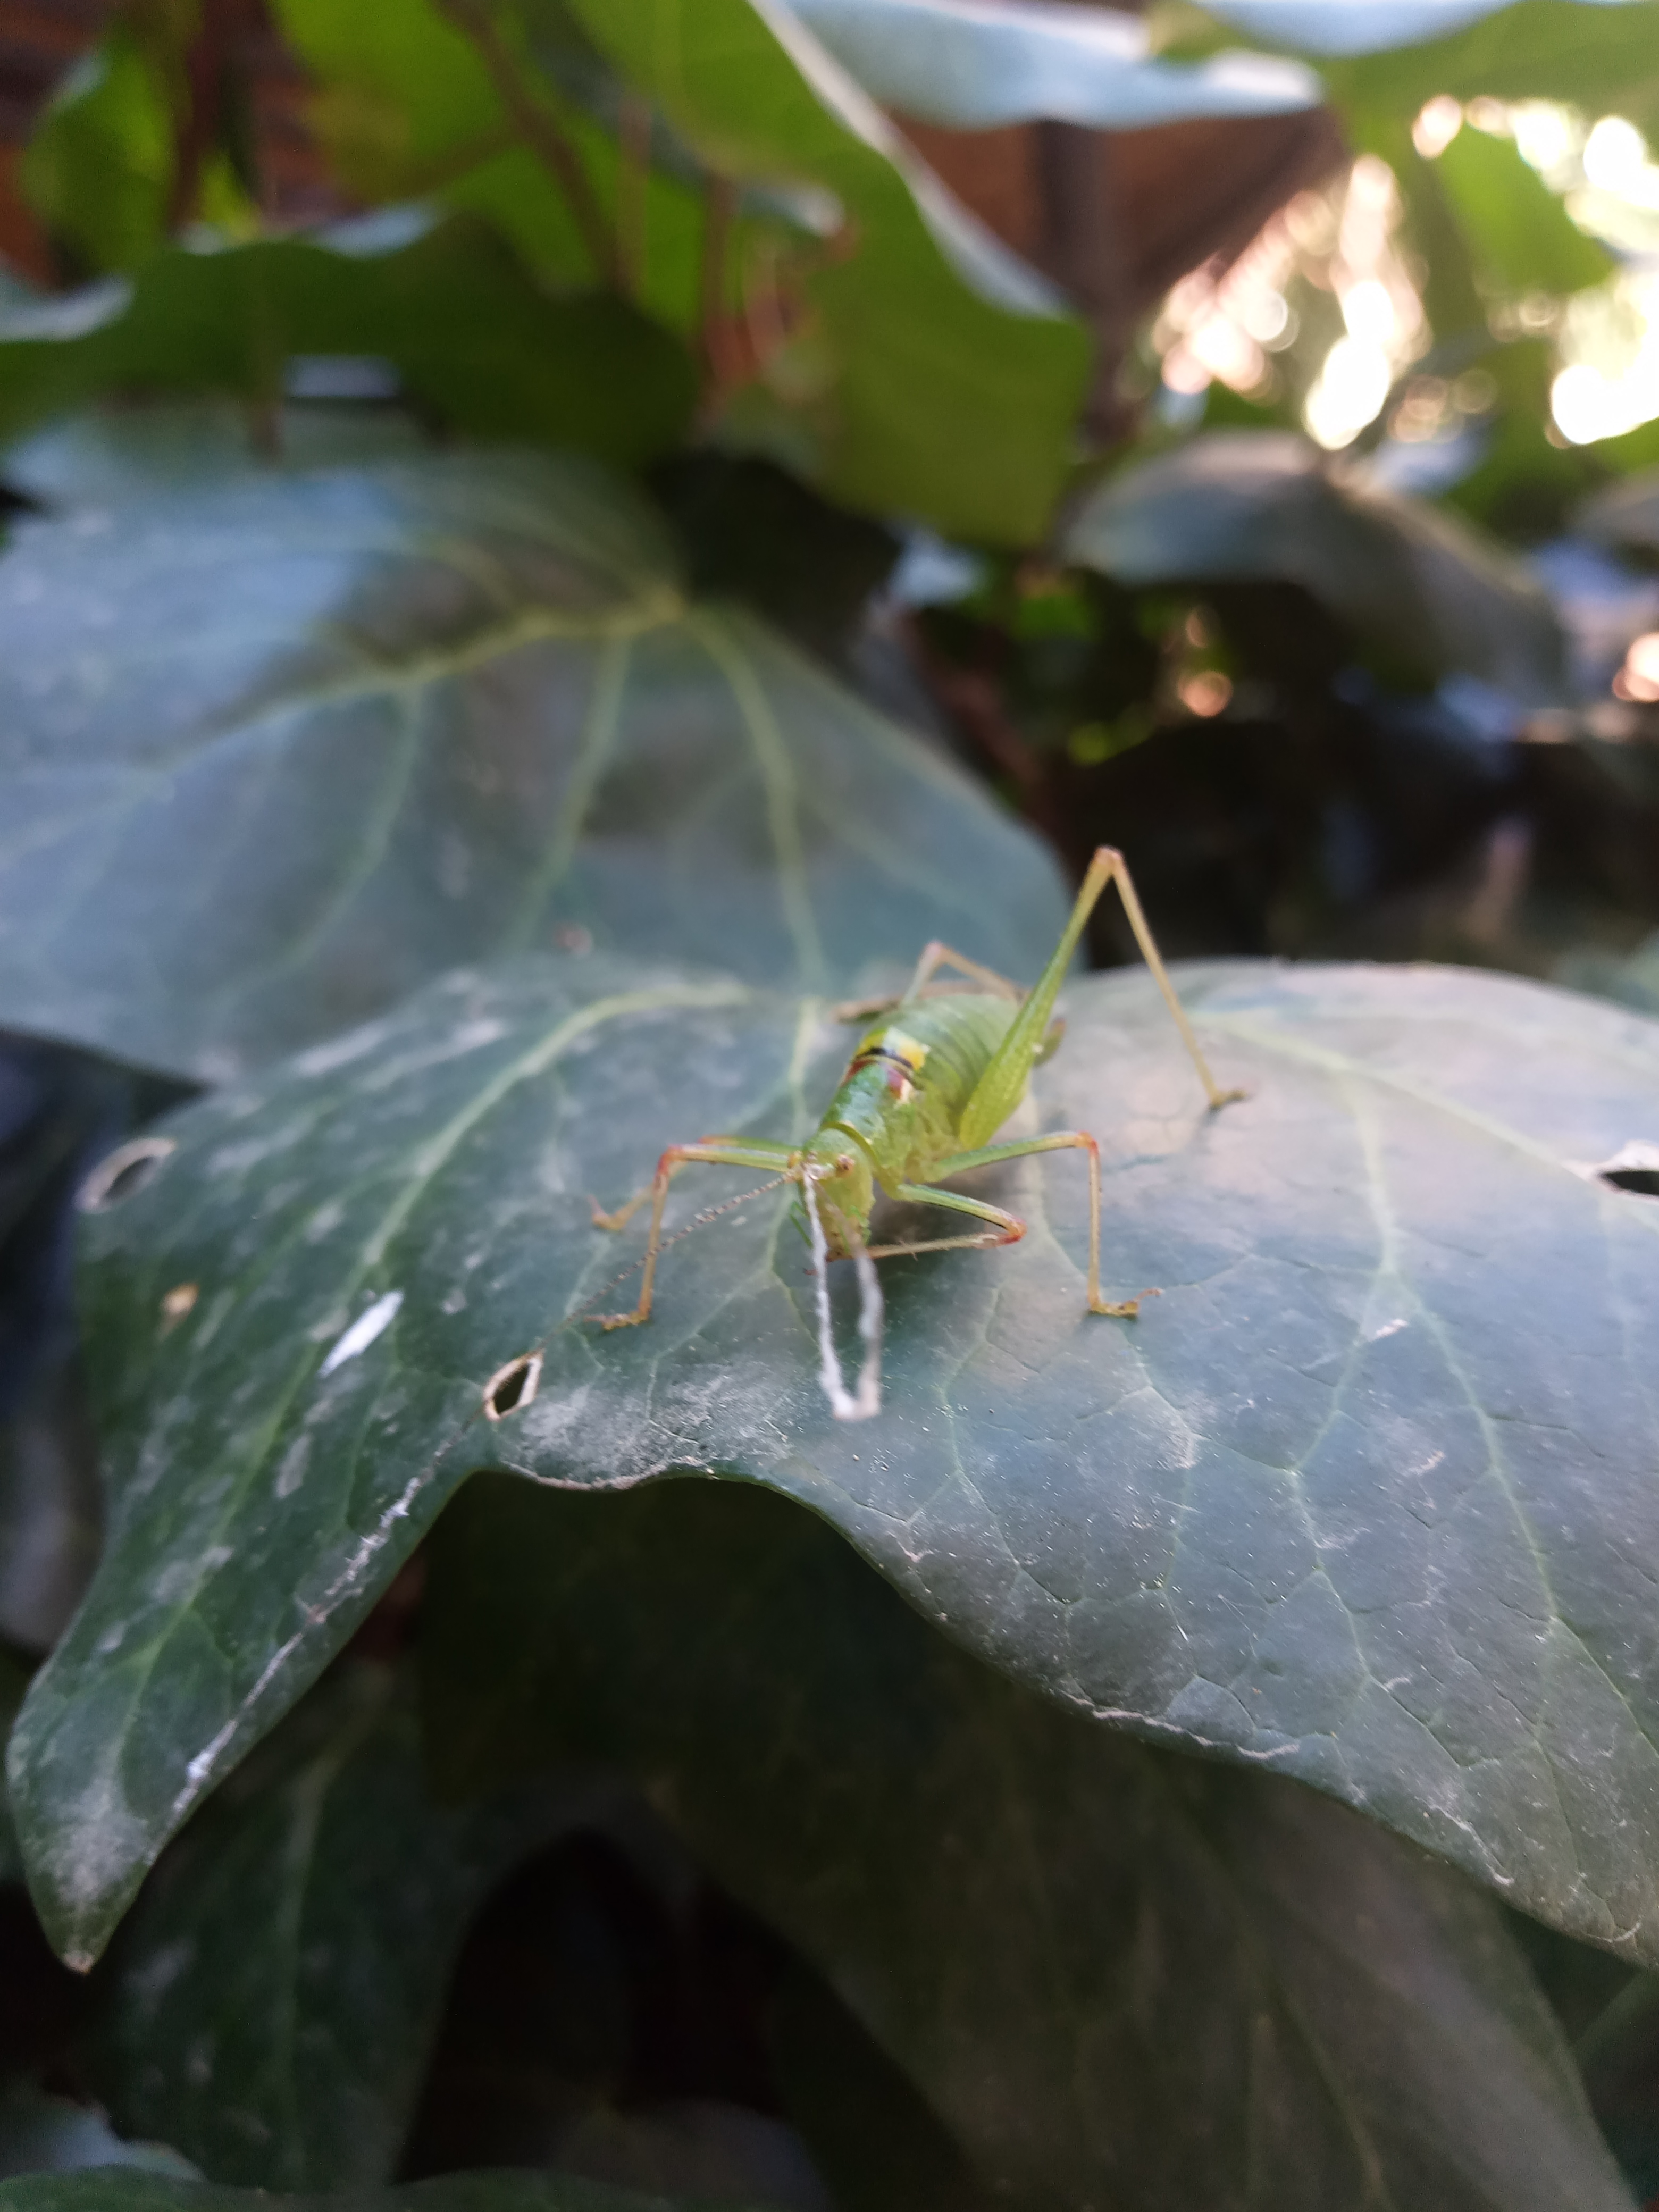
(712, 1152)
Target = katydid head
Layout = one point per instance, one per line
(845, 1189)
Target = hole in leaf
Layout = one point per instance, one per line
(511, 1388)
(179, 1300)
(125, 1173)
(1644, 1181)
(1633, 1167)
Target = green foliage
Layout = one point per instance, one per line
(925, 370)
(321, 2014)
(950, 1850)
(100, 167)
(928, 334)
(476, 786)
(473, 335)
(1384, 53)
(443, 618)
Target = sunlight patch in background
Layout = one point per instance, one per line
(1334, 251)
(1381, 315)
(1608, 339)
(1323, 309)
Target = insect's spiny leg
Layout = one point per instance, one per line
(1109, 866)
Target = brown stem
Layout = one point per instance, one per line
(633, 180)
(540, 128)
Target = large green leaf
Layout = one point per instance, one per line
(122, 2190)
(985, 63)
(105, 456)
(276, 1992)
(1369, 1492)
(1258, 506)
(950, 376)
(273, 754)
(470, 332)
(1119, 1976)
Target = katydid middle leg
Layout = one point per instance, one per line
(709, 1151)
(1059, 1140)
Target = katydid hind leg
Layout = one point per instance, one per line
(1119, 873)
(937, 955)
(1002, 1086)
(934, 956)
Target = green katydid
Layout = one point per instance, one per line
(928, 1086)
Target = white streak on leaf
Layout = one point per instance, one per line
(363, 1332)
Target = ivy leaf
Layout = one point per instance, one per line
(447, 302)
(1369, 1492)
(43, 2134)
(60, 1112)
(272, 2003)
(1249, 506)
(428, 712)
(922, 1830)
(984, 66)
(108, 455)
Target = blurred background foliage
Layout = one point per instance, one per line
(1231, 434)
(974, 308)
